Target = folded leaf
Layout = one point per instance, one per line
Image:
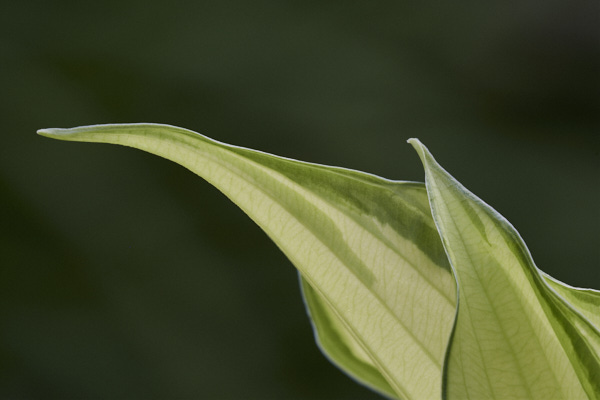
(337, 342)
(367, 246)
(516, 334)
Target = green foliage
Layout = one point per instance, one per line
(419, 291)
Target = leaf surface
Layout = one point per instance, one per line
(339, 345)
(516, 334)
(367, 246)
(584, 301)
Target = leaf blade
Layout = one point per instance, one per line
(378, 265)
(514, 337)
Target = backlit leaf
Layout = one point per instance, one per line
(366, 245)
(514, 336)
(419, 291)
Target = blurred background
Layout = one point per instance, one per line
(123, 275)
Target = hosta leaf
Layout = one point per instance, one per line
(380, 285)
(367, 246)
(517, 334)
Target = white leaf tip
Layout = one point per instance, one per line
(50, 132)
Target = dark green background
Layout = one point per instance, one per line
(123, 275)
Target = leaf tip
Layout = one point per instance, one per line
(419, 147)
(52, 132)
(44, 132)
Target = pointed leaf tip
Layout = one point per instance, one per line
(416, 144)
(54, 132)
(422, 151)
(44, 132)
